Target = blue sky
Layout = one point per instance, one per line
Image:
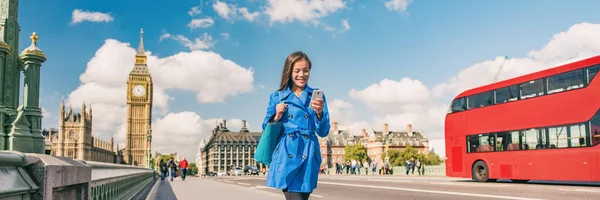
(424, 50)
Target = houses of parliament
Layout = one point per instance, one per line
(74, 139)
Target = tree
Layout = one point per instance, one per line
(399, 158)
(192, 169)
(355, 152)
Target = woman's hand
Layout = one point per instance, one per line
(317, 105)
(279, 110)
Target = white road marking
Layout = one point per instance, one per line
(429, 191)
(240, 183)
(314, 195)
(226, 181)
(582, 190)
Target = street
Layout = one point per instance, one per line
(395, 187)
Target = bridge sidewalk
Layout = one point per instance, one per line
(198, 188)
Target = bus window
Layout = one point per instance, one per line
(565, 81)
(510, 93)
(534, 139)
(532, 89)
(457, 105)
(486, 143)
(595, 129)
(592, 71)
(558, 137)
(472, 143)
(578, 136)
(481, 100)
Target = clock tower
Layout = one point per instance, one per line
(139, 111)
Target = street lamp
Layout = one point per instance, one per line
(387, 147)
(149, 140)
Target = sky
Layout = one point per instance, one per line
(378, 61)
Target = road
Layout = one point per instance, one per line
(345, 187)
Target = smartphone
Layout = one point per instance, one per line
(317, 94)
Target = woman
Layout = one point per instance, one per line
(295, 162)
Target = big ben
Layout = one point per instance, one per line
(139, 111)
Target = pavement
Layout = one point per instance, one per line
(343, 187)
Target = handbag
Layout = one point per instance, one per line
(268, 142)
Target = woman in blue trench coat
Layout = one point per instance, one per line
(297, 157)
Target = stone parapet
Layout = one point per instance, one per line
(40, 176)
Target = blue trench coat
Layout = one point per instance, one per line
(297, 157)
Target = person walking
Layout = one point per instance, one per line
(183, 165)
(172, 168)
(295, 162)
(163, 169)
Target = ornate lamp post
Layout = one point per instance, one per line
(149, 140)
(387, 148)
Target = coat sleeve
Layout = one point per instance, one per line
(273, 101)
(323, 125)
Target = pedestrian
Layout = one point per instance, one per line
(419, 166)
(183, 165)
(173, 168)
(295, 165)
(163, 169)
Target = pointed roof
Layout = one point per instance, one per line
(140, 50)
(140, 58)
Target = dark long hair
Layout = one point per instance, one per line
(286, 74)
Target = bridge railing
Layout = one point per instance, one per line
(114, 181)
(15, 183)
(40, 176)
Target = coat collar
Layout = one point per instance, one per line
(285, 93)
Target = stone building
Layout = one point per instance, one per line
(74, 138)
(333, 145)
(20, 125)
(225, 149)
(140, 94)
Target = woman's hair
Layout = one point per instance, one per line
(286, 75)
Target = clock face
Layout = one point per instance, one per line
(138, 90)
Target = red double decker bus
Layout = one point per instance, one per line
(540, 126)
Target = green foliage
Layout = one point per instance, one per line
(399, 158)
(192, 169)
(355, 152)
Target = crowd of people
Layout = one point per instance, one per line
(172, 169)
(375, 167)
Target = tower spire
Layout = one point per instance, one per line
(140, 57)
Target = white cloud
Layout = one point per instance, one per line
(46, 114)
(225, 35)
(79, 16)
(340, 111)
(248, 15)
(201, 23)
(170, 136)
(301, 10)
(394, 96)
(199, 43)
(398, 5)
(232, 12)
(579, 41)
(103, 84)
(345, 27)
(196, 10)
(410, 102)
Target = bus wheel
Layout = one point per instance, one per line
(480, 172)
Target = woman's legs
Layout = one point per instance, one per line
(295, 195)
